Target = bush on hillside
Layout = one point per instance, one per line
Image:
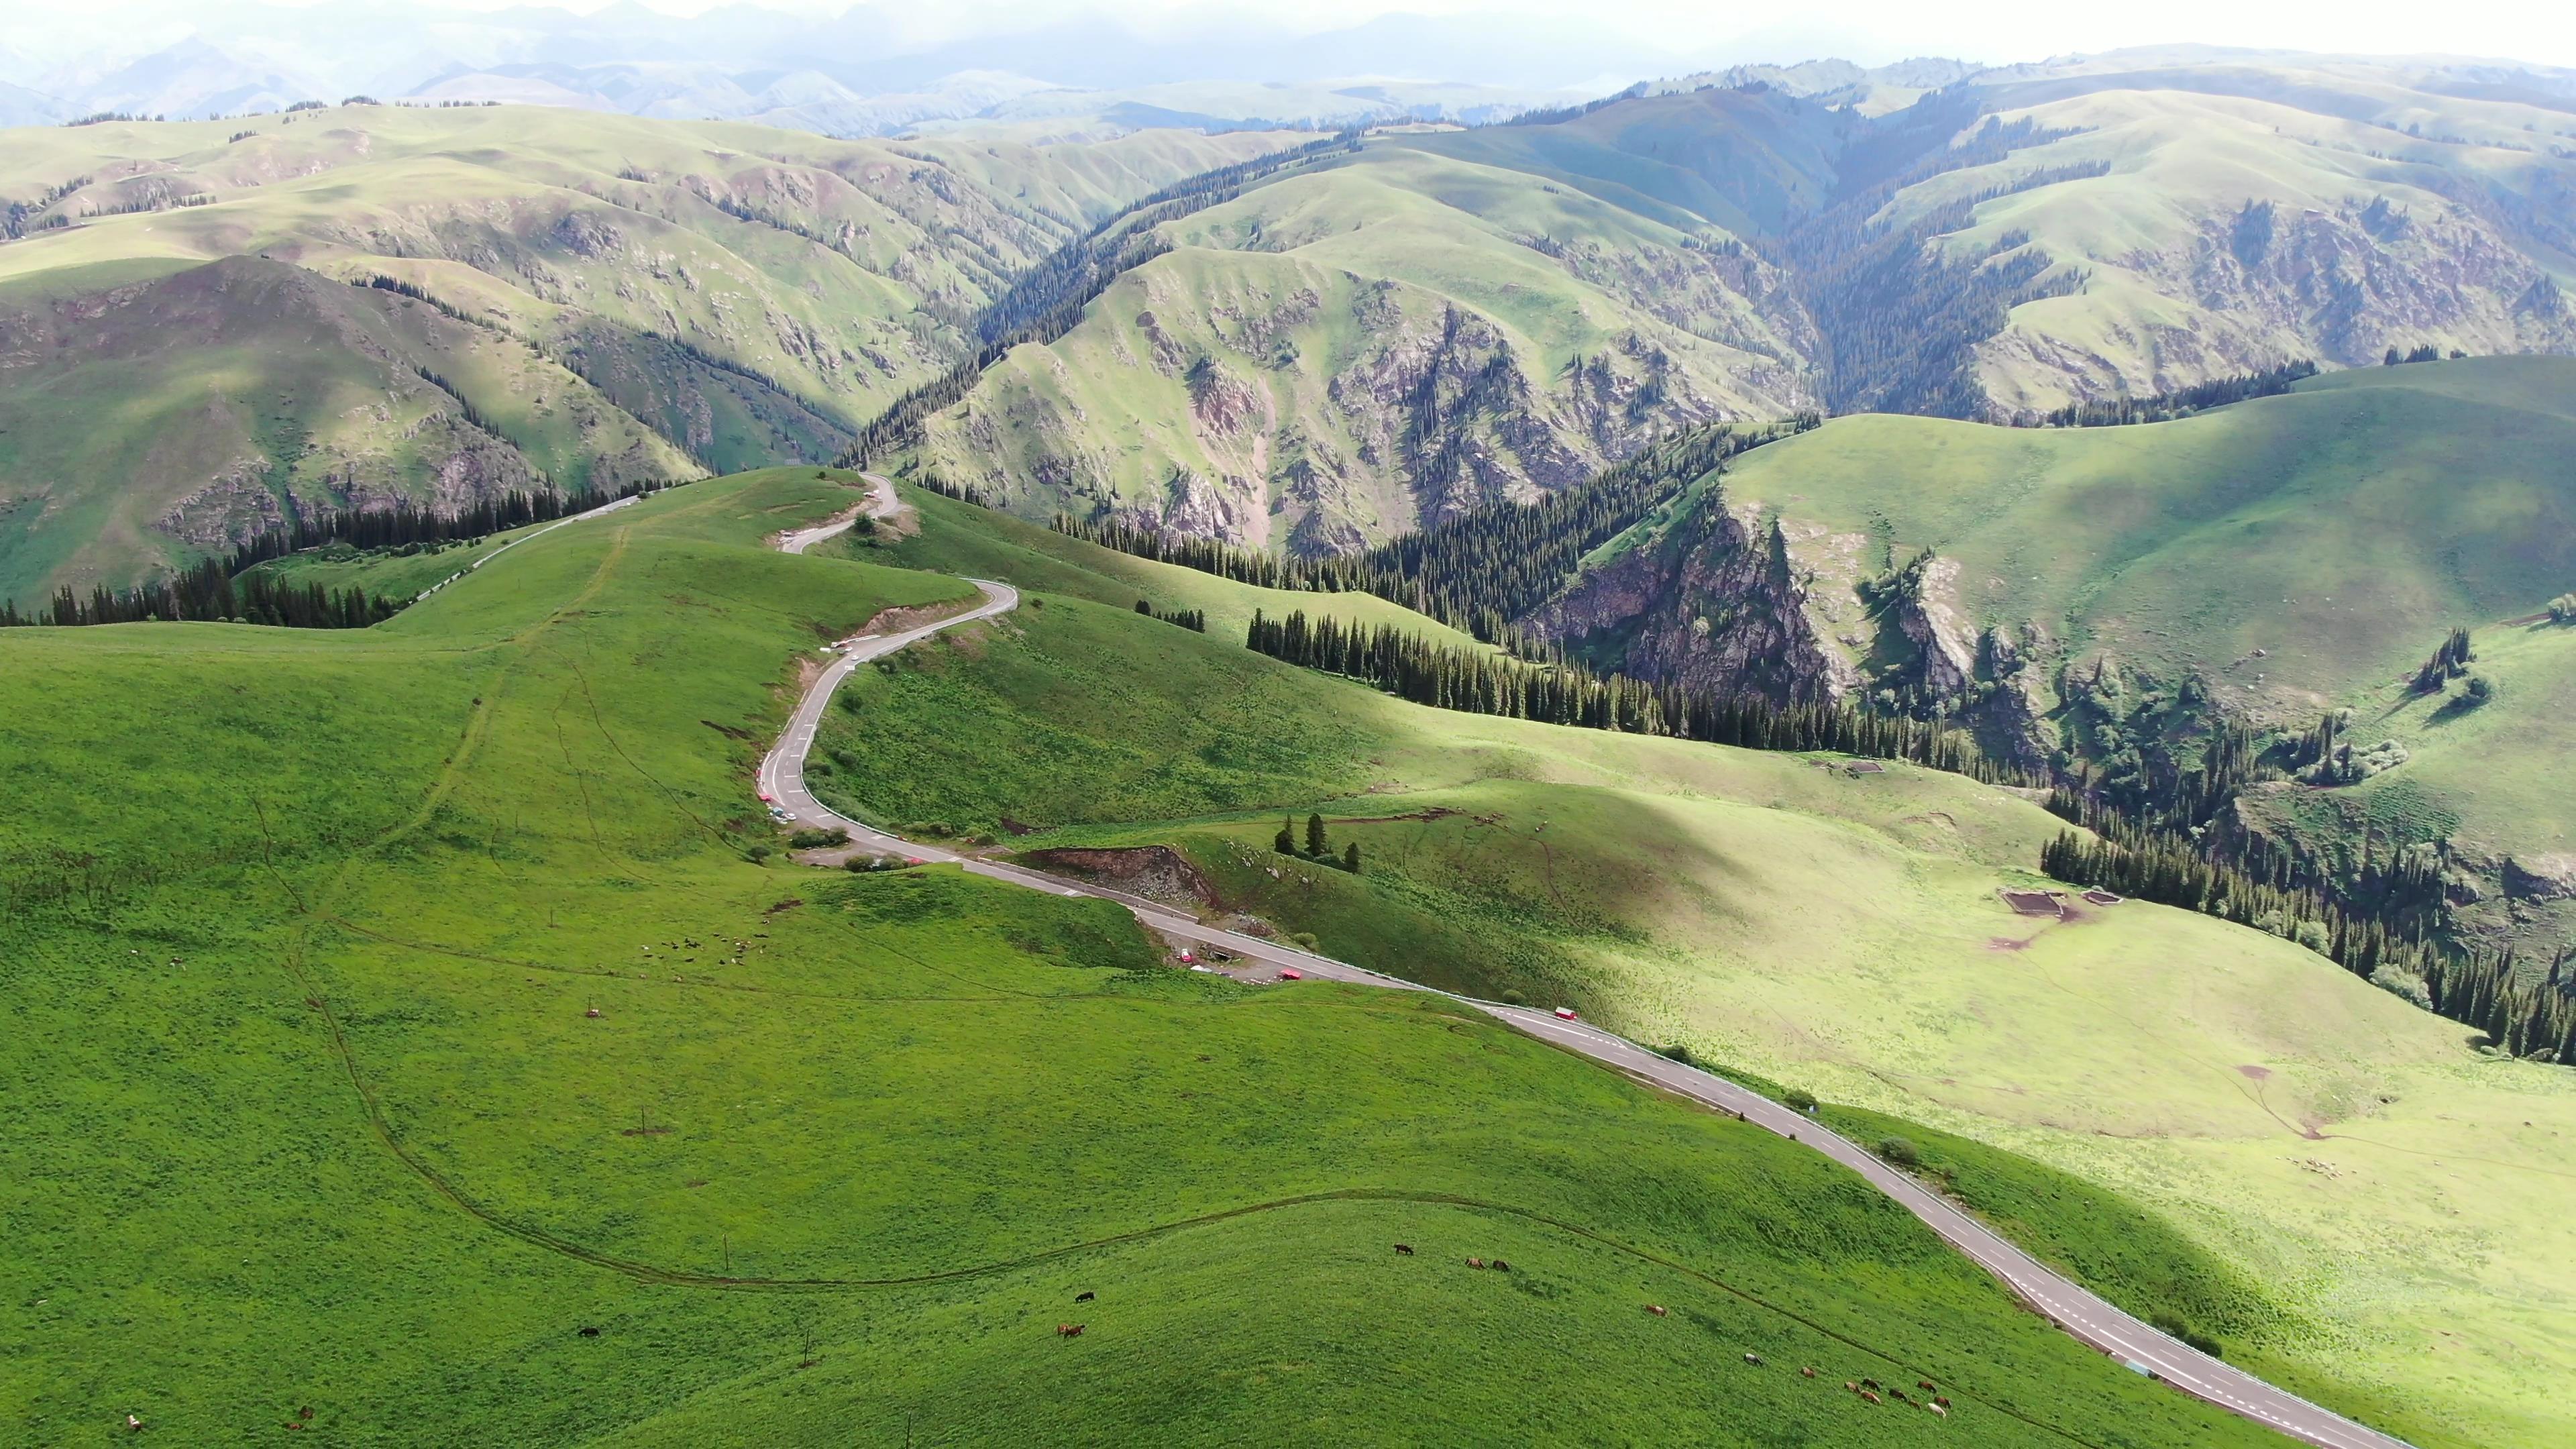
(1900, 1152)
(818, 839)
(1798, 1099)
(2562, 610)
(2171, 1324)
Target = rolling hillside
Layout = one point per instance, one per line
(2366, 1196)
(2104, 595)
(517, 1092)
(1454, 317)
(1344, 355)
(599, 298)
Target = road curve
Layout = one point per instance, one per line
(2079, 1312)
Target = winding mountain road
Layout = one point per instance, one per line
(2077, 1311)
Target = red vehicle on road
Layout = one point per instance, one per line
(1565, 1013)
(1291, 973)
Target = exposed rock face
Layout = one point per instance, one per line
(1332, 410)
(2267, 284)
(1718, 603)
(2540, 877)
(234, 508)
(2353, 281)
(1157, 872)
(1731, 600)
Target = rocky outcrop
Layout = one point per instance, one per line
(1156, 872)
(2540, 877)
(1718, 603)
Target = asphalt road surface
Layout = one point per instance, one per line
(2069, 1306)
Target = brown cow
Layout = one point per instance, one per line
(1873, 1398)
(1068, 1330)
(1656, 1309)
(1924, 1384)
(1808, 1372)
(1475, 1262)
(1941, 1401)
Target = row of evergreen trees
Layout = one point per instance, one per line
(2474, 987)
(229, 588)
(205, 591)
(2447, 663)
(2183, 401)
(406, 522)
(1558, 691)
(1319, 845)
(1480, 571)
(1191, 619)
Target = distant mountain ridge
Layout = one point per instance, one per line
(1449, 317)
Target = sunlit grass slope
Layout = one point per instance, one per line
(303, 1103)
(2343, 528)
(2385, 1192)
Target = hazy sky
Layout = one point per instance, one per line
(1870, 30)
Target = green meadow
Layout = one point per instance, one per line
(2361, 1203)
(413, 1026)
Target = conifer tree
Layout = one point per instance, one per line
(1316, 845)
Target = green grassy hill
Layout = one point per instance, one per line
(1351, 351)
(616, 297)
(2343, 1191)
(2104, 594)
(1455, 316)
(397, 1027)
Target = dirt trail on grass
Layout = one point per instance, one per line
(2068, 1305)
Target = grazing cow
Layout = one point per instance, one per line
(1849, 1387)
(1899, 1396)
(1656, 1309)
(1499, 1266)
(1936, 1408)
(1754, 1359)
(1869, 1383)
(1083, 1296)
(1405, 1248)
(304, 1413)
(1941, 1401)
(589, 1331)
(1069, 1330)
(1924, 1384)
(1873, 1398)
(1475, 1262)
(133, 1425)
(1808, 1372)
